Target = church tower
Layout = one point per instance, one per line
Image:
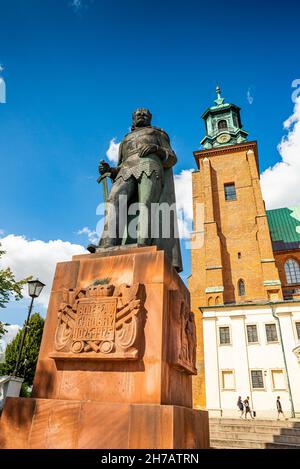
(232, 259)
(223, 124)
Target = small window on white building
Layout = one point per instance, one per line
(257, 379)
(252, 335)
(228, 380)
(271, 333)
(224, 335)
(297, 325)
(278, 380)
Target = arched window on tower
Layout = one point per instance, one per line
(222, 125)
(292, 271)
(241, 286)
(235, 120)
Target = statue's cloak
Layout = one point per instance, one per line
(170, 244)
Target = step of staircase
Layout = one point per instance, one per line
(293, 423)
(254, 434)
(227, 444)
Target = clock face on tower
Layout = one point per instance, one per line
(223, 138)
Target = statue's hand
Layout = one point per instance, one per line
(103, 167)
(147, 149)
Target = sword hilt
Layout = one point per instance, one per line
(102, 177)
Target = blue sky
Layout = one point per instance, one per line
(75, 71)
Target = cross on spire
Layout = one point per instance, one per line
(219, 100)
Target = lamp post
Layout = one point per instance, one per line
(34, 289)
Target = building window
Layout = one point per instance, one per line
(271, 333)
(252, 335)
(241, 285)
(292, 271)
(278, 380)
(239, 255)
(224, 334)
(257, 379)
(222, 125)
(297, 324)
(210, 301)
(227, 380)
(230, 192)
(273, 295)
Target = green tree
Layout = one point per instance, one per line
(9, 287)
(29, 353)
(2, 329)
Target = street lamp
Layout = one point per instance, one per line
(34, 289)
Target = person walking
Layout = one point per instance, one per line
(279, 409)
(247, 408)
(240, 406)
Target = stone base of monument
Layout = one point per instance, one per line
(116, 360)
(52, 423)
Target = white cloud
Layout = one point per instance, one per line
(92, 235)
(37, 258)
(11, 333)
(2, 232)
(113, 151)
(184, 201)
(2, 91)
(250, 98)
(183, 190)
(77, 5)
(280, 183)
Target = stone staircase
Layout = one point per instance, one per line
(254, 434)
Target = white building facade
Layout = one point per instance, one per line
(252, 350)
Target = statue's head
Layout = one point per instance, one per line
(141, 118)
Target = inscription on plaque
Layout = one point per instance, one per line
(95, 320)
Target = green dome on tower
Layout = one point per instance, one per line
(223, 124)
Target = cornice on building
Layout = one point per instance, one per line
(223, 150)
(251, 305)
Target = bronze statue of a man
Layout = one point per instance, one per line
(143, 175)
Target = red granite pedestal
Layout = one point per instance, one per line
(116, 360)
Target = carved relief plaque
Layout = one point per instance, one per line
(182, 352)
(101, 322)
